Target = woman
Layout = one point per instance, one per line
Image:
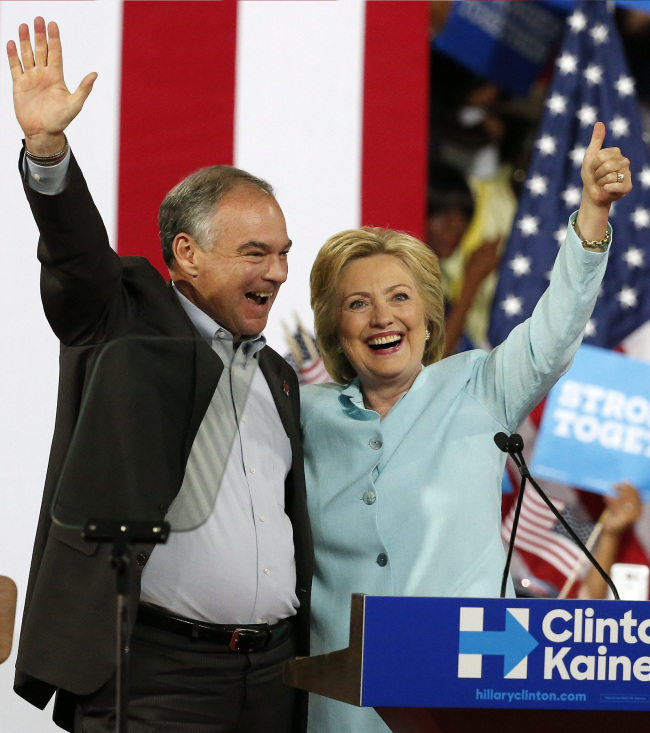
(403, 477)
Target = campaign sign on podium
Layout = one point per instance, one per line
(595, 431)
(512, 653)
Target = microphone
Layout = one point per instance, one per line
(509, 443)
(514, 445)
(503, 442)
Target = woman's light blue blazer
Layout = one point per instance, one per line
(411, 504)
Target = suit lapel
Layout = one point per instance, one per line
(282, 393)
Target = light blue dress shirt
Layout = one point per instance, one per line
(237, 566)
(411, 505)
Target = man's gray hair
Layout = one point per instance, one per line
(190, 205)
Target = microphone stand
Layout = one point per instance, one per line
(123, 535)
(514, 445)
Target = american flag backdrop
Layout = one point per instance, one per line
(591, 82)
(326, 100)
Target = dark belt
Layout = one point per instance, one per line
(244, 639)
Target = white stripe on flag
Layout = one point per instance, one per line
(91, 33)
(299, 93)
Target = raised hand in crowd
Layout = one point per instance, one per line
(623, 510)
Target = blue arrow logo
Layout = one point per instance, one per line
(513, 644)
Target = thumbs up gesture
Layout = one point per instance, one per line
(605, 178)
(605, 171)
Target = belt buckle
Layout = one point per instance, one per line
(242, 640)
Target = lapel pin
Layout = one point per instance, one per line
(285, 388)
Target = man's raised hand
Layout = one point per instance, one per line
(44, 106)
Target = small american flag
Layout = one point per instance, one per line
(304, 355)
(542, 540)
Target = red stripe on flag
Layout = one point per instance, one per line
(177, 109)
(395, 115)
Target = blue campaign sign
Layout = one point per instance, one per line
(595, 431)
(506, 653)
(506, 42)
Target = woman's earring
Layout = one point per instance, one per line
(427, 335)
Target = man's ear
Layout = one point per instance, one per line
(185, 249)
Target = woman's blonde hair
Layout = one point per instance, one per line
(355, 244)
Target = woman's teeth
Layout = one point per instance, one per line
(384, 342)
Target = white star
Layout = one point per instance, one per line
(560, 235)
(567, 63)
(548, 274)
(547, 145)
(577, 21)
(587, 115)
(556, 104)
(599, 33)
(571, 196)
(644, 177)
(590, 328)
(641, 217)
(594, 74)
(520, 265)
(625, 86)
(620, 126)
(537, 185)
(577, 154)
(627, 297)
(634, 257)
(511, 305)
(528, 225)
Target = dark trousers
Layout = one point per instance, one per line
(177, 685)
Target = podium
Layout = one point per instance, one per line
(454, 665)
(8, 595)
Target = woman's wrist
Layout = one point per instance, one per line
(592, 221)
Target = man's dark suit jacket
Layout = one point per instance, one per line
(143, 402)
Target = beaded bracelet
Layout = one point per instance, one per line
(49, 160)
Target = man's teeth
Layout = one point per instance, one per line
(259, 298)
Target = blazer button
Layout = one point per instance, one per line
(141, 559)
(369, 497)
(382, 560)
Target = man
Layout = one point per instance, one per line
(170, 406)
